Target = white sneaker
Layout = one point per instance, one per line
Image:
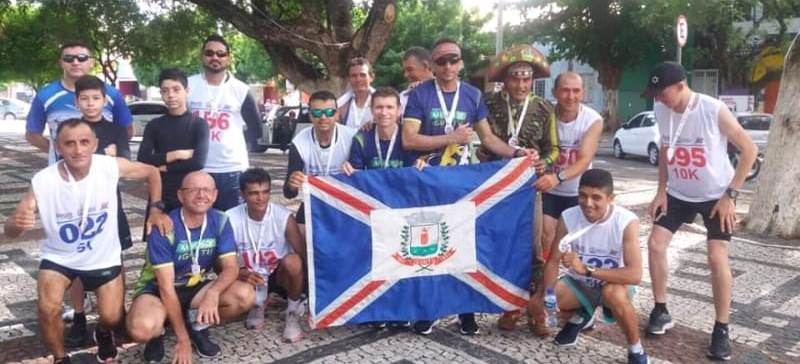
(292, 332)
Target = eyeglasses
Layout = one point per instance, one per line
(317, 113)
(220, 54)
(443, 61)
(69, 58)
(196, 190)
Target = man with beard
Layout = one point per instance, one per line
(225, 103)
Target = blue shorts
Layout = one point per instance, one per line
(228, 195)
(591, 297)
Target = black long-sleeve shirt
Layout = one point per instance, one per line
(252, 120)
(168, 133)
(109, 133)
(296, 163)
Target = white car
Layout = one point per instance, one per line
(143, 112)
(638, 136)
(757, 126)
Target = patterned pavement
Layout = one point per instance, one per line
(765, 324)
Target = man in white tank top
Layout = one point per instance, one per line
(77, 202)
(579, 128)
(598, 243)
(271, 250)
(694, 177)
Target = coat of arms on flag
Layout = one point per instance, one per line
(400, 244)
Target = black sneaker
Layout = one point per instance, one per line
(64, 360)
(378, 325)
(568, 335)
(205, 347)
(467, 324)
(424, 327)
(660, 321)
(78, 333)
(106, 345)
(638, 358)
(720, 348)
(154, 349)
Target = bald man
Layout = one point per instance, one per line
(174, 283)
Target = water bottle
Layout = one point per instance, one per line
(193, 320)
(551, 304)
(262, 289)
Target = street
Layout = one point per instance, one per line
(765, 323)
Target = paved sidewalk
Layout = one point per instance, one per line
(765, 321)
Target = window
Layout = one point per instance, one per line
(649, 120)
(540, 87)
(148, 109)
(755, 122)
(705, 81)
(635, 122)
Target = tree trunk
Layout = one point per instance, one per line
(609, 76)
(331, 39)
(776, 205)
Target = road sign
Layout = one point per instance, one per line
(681, 31)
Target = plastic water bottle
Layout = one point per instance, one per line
(551, 304)
(196, 326)
(262, 289)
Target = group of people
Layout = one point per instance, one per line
(208, 212)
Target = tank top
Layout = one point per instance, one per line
(94, 243)
(601, 246)
(316, 159)
(570, 136)
(269, 233)
(699, 170)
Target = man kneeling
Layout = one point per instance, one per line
(271, 249)
(173, 282)
(598, 243)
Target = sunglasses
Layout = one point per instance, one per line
(220, 54)
(69, 58)
(317, 113)
(444, 61)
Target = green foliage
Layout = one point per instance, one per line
(251, 62)
(420, 23)
(170, 40)
(28, 46)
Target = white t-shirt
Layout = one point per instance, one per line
(699, 170)
(600, 246)
(570, 136)
(324, 161)
(269, 234)
(221, 107)
(356, 116)
(94, 244)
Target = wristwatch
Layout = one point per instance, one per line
(159, 205)
(732, 193)
(589, 271)
(561, 177)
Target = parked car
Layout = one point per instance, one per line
(12, 109)
(757, 126)
(143, 112)
(280, 126)
(638, 136)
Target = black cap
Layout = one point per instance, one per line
(663, 75)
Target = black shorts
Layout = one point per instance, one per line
(300, 215)
(680, 212)
(185, 294)
(554, 205)
(91, 279)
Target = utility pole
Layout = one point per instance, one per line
(498, 40)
